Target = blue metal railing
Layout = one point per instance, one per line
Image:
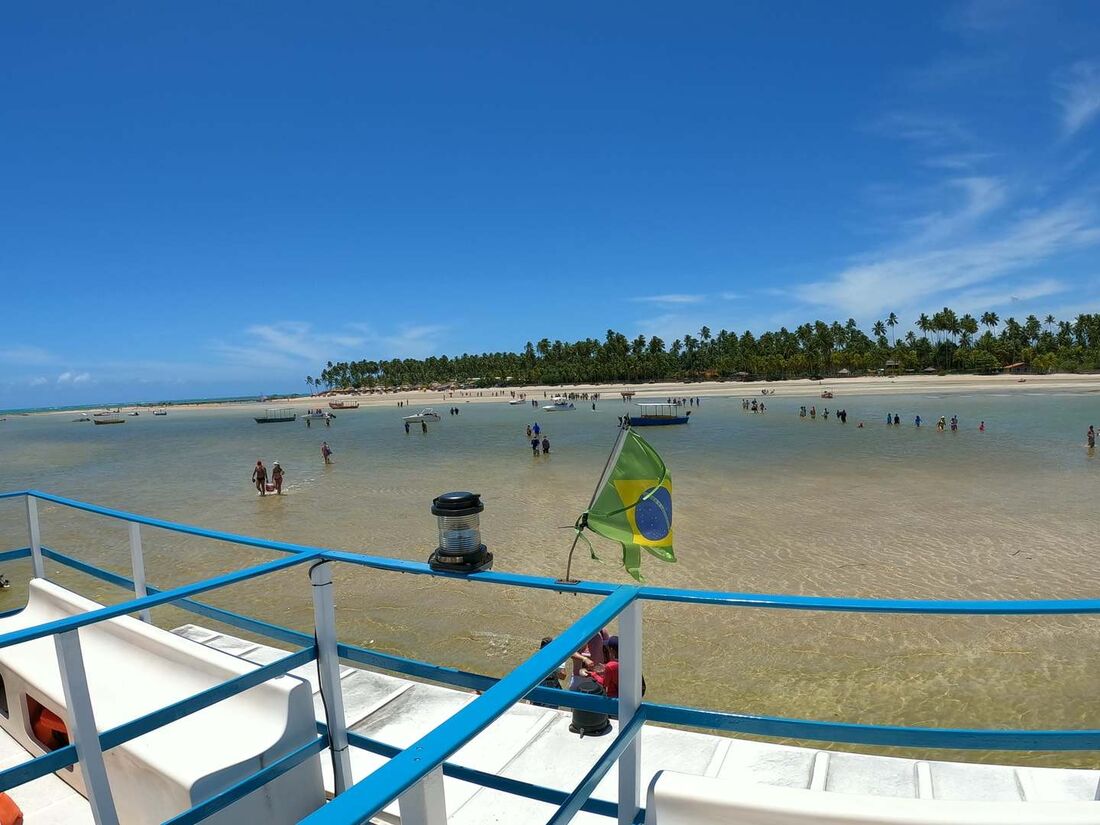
(410, 766)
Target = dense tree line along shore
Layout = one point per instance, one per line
(944, 341)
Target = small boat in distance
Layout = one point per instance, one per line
(425, 416)
(516, 402)
(559, 403)
(656, 415)
(84, 418)
(277, 416)
(316, 414)
(160, 412)
(343, 405)
(827, 394)
(108, 418)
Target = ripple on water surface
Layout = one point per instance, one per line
(770, 503)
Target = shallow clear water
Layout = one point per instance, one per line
(766, 502)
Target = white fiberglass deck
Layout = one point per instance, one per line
(533, 744)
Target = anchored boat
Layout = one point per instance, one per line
(559, 403)
(277, 416)
(657, 415)
(108, 418)
(425, 416)
(343, 405)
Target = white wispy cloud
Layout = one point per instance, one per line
(910, 278)
(294, 345)
(38, 381)
(927, 130)
(977, 197)
(74, 378)
(1077, 92)
(23, 355)
(672, 299)
(286, 345)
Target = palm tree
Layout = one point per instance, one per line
(879, 329)
(990, 319)
(924, 324)
(309, 383)
(1049, 321)
(892, 322)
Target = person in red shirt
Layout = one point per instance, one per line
(607, 674)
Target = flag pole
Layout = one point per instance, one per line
(582, 521)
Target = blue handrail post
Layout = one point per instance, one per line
(137, 563)
(36, 537)
(328, 673)
(82, 726)
(630, 698)
(425, 803)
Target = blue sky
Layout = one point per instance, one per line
(215, 198)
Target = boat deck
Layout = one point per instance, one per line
(534, 744)
(46, 800)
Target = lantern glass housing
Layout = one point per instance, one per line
(459, 520)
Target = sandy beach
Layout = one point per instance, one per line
(862, 385)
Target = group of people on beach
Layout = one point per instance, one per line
(841, 415)
(259, 478)
(272, 482)
(754, 405)
(533, 433)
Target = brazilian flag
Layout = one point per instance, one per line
(633, 503)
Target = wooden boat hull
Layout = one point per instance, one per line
(110, 421)
(275, 420)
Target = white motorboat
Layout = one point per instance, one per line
(559, 403)
(425, 416)
(517, 402)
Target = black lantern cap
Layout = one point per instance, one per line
(457, 504)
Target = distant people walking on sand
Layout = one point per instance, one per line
(259, 478)
(534, 445)
(326, 452)
(545, 445)
(1090, 436)
(277, 478)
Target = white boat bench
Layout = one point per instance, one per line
(684, 799)
(134, 668)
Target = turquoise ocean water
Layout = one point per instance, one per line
(767, 502)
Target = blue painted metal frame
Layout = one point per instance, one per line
(365, 799)
(408, 766)
(584, 790)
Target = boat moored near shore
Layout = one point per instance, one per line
(425, 416)
(277, 416)
(656, 415)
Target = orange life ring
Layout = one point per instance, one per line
(9, 811)
(48, 728)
